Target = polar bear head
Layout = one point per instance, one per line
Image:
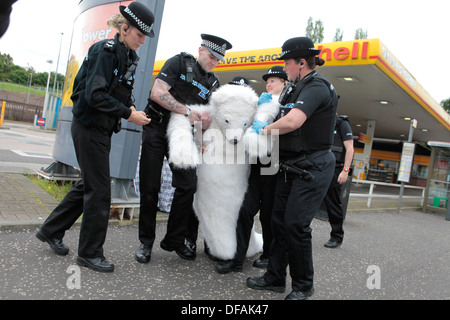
(232, 110)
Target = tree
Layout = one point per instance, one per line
(18, 75)
(314, 31)
(338, 35)
(360, 34)
(310, 28)
(446, 105)
(6, 63)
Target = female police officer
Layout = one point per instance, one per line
(305, 124)
(101, 97)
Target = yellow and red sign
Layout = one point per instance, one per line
(89, 28)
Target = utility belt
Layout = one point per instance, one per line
(302, 164)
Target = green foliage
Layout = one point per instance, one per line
(338, 35)
(360, 34)
(13, 73)
(315, 30)
(446, 105)
(57, 189)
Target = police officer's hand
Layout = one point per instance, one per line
(206, 120)
(264, 98)
(343, 177)
(257, 126)
(138, 117)
(193, 117)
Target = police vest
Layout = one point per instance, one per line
(192, 86)
(338, 144)
(298, 141)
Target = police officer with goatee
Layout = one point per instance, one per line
(182, 81)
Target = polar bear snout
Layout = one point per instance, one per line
(233, 136)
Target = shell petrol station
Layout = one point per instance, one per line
(401, 134)
(384, 103)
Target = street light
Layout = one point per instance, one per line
(57, 63)
(44, 112)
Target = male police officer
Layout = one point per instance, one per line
(182, 81)
(343, 151)
(305, 124)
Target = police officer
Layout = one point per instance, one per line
(101, 97)
(343, 151)
(182, 81)
(305, 124)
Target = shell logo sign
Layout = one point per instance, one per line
(335, 53)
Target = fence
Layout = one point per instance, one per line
(21, 111)
(389, 195)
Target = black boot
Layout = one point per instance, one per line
(143, 254)
(228, 266)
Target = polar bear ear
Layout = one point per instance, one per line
(217, 98)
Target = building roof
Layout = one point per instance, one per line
(371, 82)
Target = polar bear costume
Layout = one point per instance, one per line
(222, 169)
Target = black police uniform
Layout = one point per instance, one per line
(332, 201)
(101, 97)
(192, 87)
(297, 199)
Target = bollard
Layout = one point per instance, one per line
(2, 113)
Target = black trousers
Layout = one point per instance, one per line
(154, 148)
(259, 197)
(333, 204)
(296, 201)
(90, 196)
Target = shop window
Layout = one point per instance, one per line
(439, 189)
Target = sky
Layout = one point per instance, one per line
(416, 32)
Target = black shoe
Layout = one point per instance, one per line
(260, 283)
(191, 245)
(182, 250)
(97, 264)
(332, 243)
(261, 263)
(56, 244)
(143, 253)
(228, 266)
(300, 295)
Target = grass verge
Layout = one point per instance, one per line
(57, 189)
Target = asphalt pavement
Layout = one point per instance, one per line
(385, 255)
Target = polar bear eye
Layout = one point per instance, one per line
(227, 121)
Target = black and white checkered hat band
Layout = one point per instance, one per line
(141, 24)
(215, 47)
(287, 51)
(274, 72)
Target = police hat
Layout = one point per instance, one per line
(240, 81)
(298, 47)
(276, 71)
(139, 16)
(216, 45)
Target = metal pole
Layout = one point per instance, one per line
(29, 88)
(46, 90)
(57, 63)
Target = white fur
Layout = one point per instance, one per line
(224, 168)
